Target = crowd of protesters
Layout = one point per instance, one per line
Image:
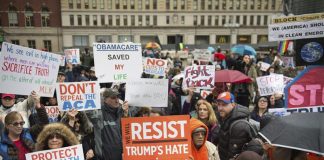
(216, 125)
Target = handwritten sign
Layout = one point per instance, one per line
(147, 138)
(66, 153)
(288, 61)
(24, 70)
(199, 76)
(117, 62)
(155, 66)
(271, 84)
(147, 92)
(72, 56)
(52, 112)
(78, 95)
(264, 66)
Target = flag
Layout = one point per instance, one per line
(283, 46)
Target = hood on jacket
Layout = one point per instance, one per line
(55, 128)
(202, 152)
(238, 112)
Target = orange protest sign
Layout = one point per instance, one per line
(162, 138)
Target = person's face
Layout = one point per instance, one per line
(271, 70)
(246, 59)
(16, 126)
(55, 141)
(263, 103)
(199, 138)
(272, 100)
(112, 101)
(60, 78)
(52, 101)
(154, 115)
(8, 101)
(202, 111)
(224, 109)
(92, 73)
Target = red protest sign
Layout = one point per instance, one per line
(163, 138)
(306, 92)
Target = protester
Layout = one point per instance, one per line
(194, 113)
(107, 126)
(16, 141)
(206, 115)
(230, 144)
(261, 107)
(272, 101)
(201, 148)
(249, 155)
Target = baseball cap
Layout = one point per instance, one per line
(8, 95)
(110, 93)
(226, 97)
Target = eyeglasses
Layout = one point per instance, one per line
(18, 123)
(264, 101)
(52, 136)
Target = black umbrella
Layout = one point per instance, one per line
(300, 131)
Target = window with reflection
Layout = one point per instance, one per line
(29, 17)
(45, 17)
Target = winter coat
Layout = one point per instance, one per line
(55, 128)
(212, 151)
(231, 144)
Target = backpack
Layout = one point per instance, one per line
(253, 127)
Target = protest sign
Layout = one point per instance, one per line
(66, 153)
(287, 80)
(147, 92)
(78, 95)
(24, 70)
(202, 55)
(268, 85)
(264, 66)
(155, 66)
(182, 54)
(279, 112)
(305, 93)
(288, 61)
(309, 52)
(72, 56)
(117, 62)
(165, 137)
(52, 112)
(297, 27)
(199, 76)
(62, 60)
(205, 93)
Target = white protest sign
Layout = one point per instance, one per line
(199, 76)
(155, 66)
(72, 56)
(24, 70)
(52, 112)
(264, 66)
(205, 93)
(66, 153)
(271, 84)
(279, 112)
(297, 27)
(117, 62)
(147, 92)
(288, 61)
(62, 60)
(78, 95)
(202, 55)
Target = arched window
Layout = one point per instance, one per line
(45, 17)
(13, 16)
(29, 17)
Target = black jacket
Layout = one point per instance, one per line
(230, 145)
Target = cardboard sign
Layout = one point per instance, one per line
(205, 93)
(155, 66)
(269, 85)
(297, 27)
(199, 76)
(78, 95)
(305, 93)
(147, 92)
(264, 66)
(66, 153)
(288, 61)
(117, 62)
(165, 137)
(23, 70)
(52, 112)
(72, 56)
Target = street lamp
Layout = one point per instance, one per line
(232, 27)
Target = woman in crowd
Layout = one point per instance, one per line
(261, 107)
(207, 116)
(16, 141)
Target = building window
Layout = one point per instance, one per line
(132, 20)
(139, 4)
(45, 17)
(95, 20)
(31, 44)
(238, 19)
(147, 4)
(125, 20)
(258, 20)
(48, 45)
(124, 4)
(110, 20)
(238, 4)
(155, 20)
(223, 20)
(29, 17)
(202, 20)
(216, 20)
(102, 19)
(78, 4)
(231, 5)
(216, 4)
(109, 3)
(210, 6)
(175, 4)
(258, 4)
(266, 4)
(195, 20)
(245, 4)
(262, 38)
(16, 42)
(154, 4)
(103, 38)
(79, 20)
(245, 20)
(71, 20)
(195, 4)
(132, 4)
(182, 19)
(101, 4)
(252, 5)
(222, 39)
(86, 4)
(265, 20)
(183, 4)
(94, 4)
(117, 20)
(13, 17)
(209, 20)
(70, 4)
(167, 4)
(201, 40)
(202, 4)
(147, 19)
(125, 38)
(87, 20)
(251, 20)
(140, 20)
(273, 4)
(167, 20)
(224, 5)
(81, 41)
(245, 39)
(117, 5)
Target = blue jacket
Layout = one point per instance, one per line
(5, 142)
